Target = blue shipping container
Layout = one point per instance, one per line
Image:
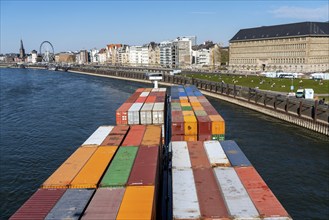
(235, 154)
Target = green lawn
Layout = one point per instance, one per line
(264, 83)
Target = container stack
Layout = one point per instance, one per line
(104, 178)
(193, 117)
(215, 180)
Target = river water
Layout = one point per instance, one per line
(46, 115)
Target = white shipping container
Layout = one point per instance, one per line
(216, 154)
(162, 89)
(158, 113)
(146, 114)
(133, 113)
(235, 195)
(185, 200)
(180, 155)
(144, 94)
(98, 136)
(155, 90)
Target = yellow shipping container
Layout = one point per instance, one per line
(190, 125)
(183, 101)
(190, 137)
(137, 203)
(63, 176)
(188, 113)
(92, 171)
(196, 104)
(217, 124)
(152, 136)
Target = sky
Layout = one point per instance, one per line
(76, 25)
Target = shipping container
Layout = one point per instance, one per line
(120, 130)
(118, 172)
(180, 155)
(113, 140)
(92, 171)
(138, 203)
(198, 109)
(160, 99)
(140, 90)
(185, 200)
(144, 94)
(134, 136)
(204, 125)
(216, 154)
(98, 136)
(204, 137)
(133, 113)
(38, 205)
(200, 112)
(188, 113)
(152, 136)
(158, 113)
(190, 125)
(133, 97)
(217, 124)
(195, 104)
(211, 202)
(155, 90)
(71, 205)
(190, 137)
(63, 176)
(145, 170)
(177, 138)
(105, 204)
(265, 201)
(146, 113)
(140, 100)
(235, 195)
(235, 154)
(198, 155)
(121, 115)
(148, 89)
(162, 89)
(177, 123)
(150, 99)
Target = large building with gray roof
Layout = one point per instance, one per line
(297, 47)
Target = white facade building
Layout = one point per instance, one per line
(168, 54)
(135, 55)
(94, 55)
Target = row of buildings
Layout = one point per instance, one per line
(179, 53)
(297, 47)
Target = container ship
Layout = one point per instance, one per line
(166, 158)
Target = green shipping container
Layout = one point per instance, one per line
(118, 172)
(187, 108)
(200, 113)
(218, 137)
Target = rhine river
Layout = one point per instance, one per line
(46, 115)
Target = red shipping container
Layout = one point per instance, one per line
(150, 99)
(204, 137)
(134, 136)
(177, 124)
(133, 98)
(39, 204)
(265, 201)
(145, 170)
(160, 99)
(204, 125)
(175, 101)
(140, 99)
(211, 202)
(140, 90)
(198, 155)
(120, 129)
(177, 137)
(113, 140)
(121, 115)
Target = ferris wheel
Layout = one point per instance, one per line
(47, 52)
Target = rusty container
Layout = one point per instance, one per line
(204, 125)
(120, 130)
(198, 155)
(204, 137)
(265, 201)
(121, 114)
(145, 170)
(105, 204)
(152, 136)
(134, 136)
(113, 140)
(177, 137)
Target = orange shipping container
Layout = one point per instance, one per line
(63, 176)
(190, 138)
(198, 108)
(148, 90)
(190, 125)
(188, 113)
(185, 104)
(217, 124)
(152, 136)
(91, 173)
(196, 104)
(137, 203)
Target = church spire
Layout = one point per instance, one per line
(21, 50)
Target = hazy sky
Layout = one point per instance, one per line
(75, 25)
